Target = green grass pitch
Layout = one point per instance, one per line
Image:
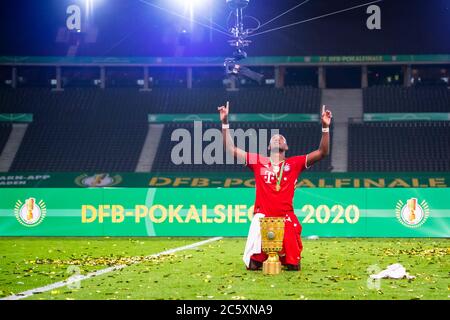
(332, 268)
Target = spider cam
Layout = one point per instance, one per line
(239, 33)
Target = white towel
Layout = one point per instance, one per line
(253, 244)
(394, 271)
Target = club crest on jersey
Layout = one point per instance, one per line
(287, 167)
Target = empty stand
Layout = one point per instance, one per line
(88, 129)
(249, 100)
(79, 104)
(401, 99)
(399, 146)
(80, 147)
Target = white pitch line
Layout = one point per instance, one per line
(78, 278)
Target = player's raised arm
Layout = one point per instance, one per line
(324, 147)
(227, 140)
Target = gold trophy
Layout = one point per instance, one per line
(412, 209)
(272, 234)
(98, 179)
(30, 207)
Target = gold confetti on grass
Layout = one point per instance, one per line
(111, 260)
(435, 252)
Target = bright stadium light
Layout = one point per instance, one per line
(90, 6)
(190, 6)
(192, 3)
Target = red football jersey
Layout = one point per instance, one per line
(269, 201)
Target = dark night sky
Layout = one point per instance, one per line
(131, 28)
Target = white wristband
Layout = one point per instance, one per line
(325, 129)
(226, 126)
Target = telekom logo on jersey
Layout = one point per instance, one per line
(269, 175)
(199, 146)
